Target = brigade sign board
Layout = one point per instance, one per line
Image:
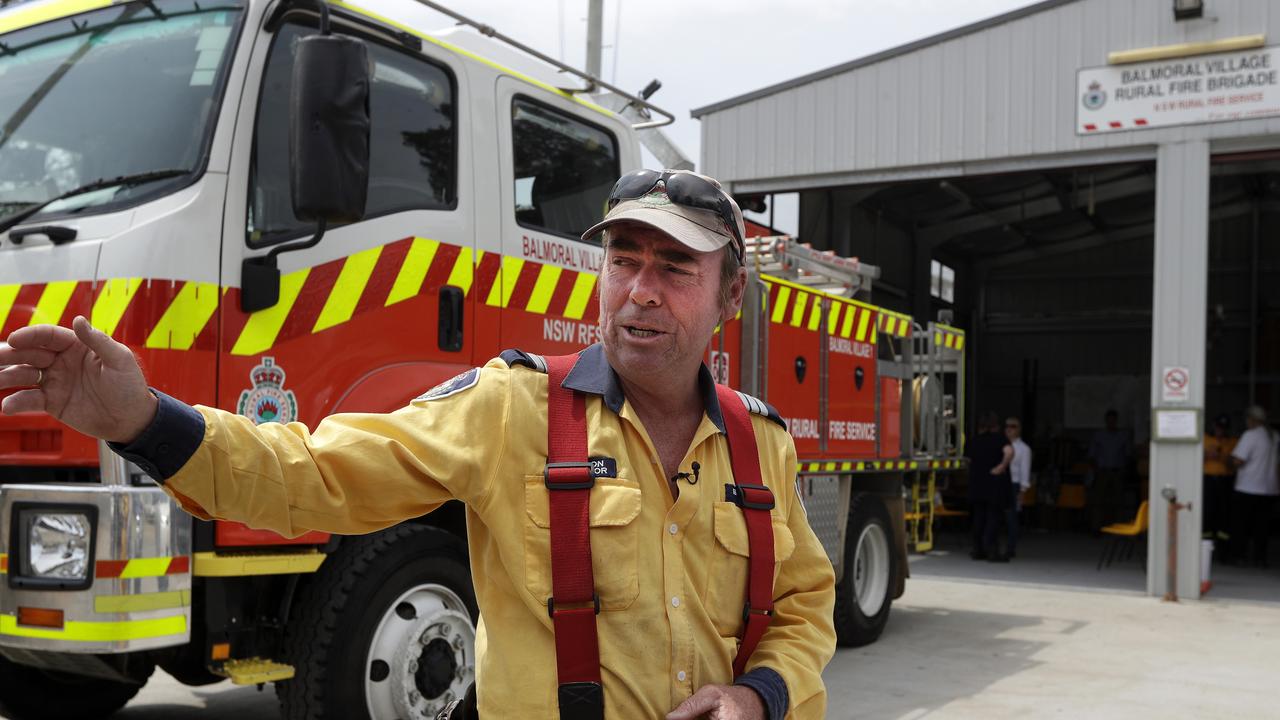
(1205, 88)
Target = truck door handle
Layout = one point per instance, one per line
(451, 317)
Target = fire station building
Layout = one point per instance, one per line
(1091, 189)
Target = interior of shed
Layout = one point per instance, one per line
(1050, 273)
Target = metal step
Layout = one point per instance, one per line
(255, 671)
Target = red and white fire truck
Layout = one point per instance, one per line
(147, 182)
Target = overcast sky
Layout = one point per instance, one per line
(705, 51)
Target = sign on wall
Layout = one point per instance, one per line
(1207, 88)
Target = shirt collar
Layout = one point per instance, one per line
(592, 374)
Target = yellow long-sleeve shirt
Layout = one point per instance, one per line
(671, 573)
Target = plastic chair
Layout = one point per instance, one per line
(1126, 534)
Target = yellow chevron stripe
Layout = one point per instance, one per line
(544, 288)
(53, 301)
(850, 312)
(579, 296)
(873, 335)
(829, 467)
(505, 283)
(937, 338)
(904, 327)
(815, 314)
(146, 567)
(79, 630)
(959, 342)
(846, 466)
(142, 603)
(346, 291)
(862, 466)
(863, 322)
(8, 294)
(185, 317)
(464, 270)
(260, 331)
(780, 303)
(114, 299)
(43, 12)
(833, 317)
(413, 271)
(797, 312)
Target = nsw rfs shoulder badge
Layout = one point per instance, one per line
(268, 401)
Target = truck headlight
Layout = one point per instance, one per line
(55, 545)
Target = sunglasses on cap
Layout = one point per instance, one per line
(683, 188)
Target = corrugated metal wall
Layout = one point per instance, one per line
(1006, 91)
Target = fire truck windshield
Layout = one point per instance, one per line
(130, 91)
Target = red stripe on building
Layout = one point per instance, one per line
(524, 285)
(110, 568)
(1115, 124)
(441, 266)
(1090, 127)
(564, 289)
(1140, 121)
(179, 565)
(384, 276)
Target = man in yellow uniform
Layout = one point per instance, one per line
(669, 554)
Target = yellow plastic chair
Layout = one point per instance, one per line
(1126, 534)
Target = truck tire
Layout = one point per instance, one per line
(865, 592)
(29, 693)
(385, 629)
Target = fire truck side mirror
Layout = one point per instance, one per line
(328, 151)
(329, 129)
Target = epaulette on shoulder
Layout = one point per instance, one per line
(760, 407)
(519, 357)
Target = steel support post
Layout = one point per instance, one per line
(1178, 308)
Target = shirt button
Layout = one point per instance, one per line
(673, 529)
(675, 602)
(681, 676)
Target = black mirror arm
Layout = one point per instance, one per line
(270, 258)
(260, 276)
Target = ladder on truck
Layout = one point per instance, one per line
(782, 256)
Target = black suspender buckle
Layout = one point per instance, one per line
(748, 611)
(750, 497)
(553, 484)
(551, 605)
(581, 701)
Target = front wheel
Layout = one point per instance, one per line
(28, 693)
(385, 630)
(863, 595)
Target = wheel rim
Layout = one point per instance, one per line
(871, 569)
(422, 656)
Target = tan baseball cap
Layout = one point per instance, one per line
(698, 229)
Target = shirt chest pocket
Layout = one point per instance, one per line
(726, 593)
(615, 505)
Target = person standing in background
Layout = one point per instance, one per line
(989, 456)
(1219, 474)
(1019, 478)
(1256, 488)
(1109, 454)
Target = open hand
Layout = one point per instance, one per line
(720, 702)
(78, 375)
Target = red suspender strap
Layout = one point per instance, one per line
(756, 502)
(574, 604)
